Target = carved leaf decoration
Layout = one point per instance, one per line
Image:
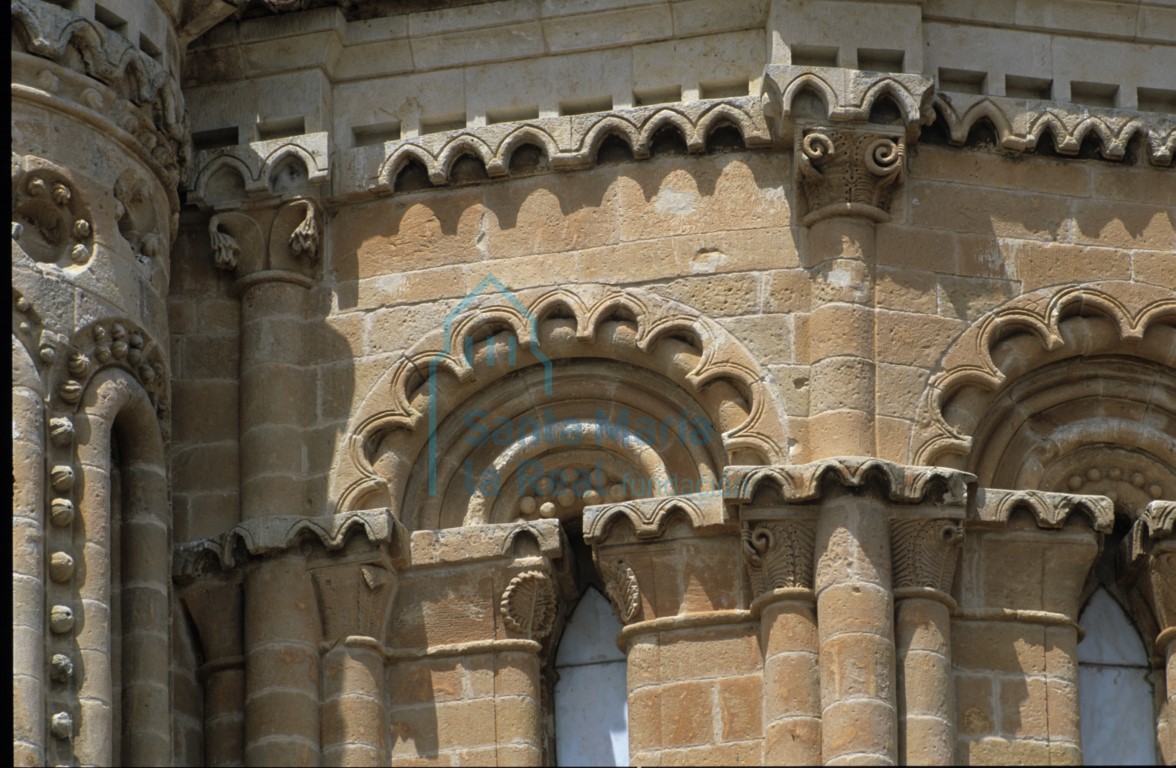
(620, 583)
(528, 604)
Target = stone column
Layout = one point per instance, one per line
(355, 589)
(1151, 557)
(1015, 636)
(778, 549)
(852, 502)
(848, 177)
(925, 554)
(281, 632)
(28, 560)
(215, 605)
(468, 639)
(671, 567)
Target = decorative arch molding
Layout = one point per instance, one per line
(798, 483)
(1064, 389)
(256, 162)
(569, 142)
(1020, 125)
(584, 366)
(848, 94)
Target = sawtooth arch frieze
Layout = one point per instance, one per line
(658, 358)
(1067, 389)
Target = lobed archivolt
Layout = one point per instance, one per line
(1133, 309)
(542, 326)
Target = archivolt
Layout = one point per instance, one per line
(569, 354)
(1071, 389)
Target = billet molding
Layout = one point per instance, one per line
(1049, 510)
(267, 536)
(1133, 309)
(801, 483)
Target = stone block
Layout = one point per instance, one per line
(687, 714)
(740, 702)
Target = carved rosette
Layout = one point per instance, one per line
(528, 605)
(779, 555)
(925, 553)
(849, 173)
(620, 585)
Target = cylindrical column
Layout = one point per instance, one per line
(792, 686)
(925, 701)
(281, 663)
(925, 554)
(354, 710)
(856, 629)
(144, 567)
(281, 619)
(841, 327)
(224, 722)
(273, 405)
(1167, 723)
(28, 585)
(93, 740)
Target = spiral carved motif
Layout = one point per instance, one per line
(779, 555)
(925, 553)
(843, 172)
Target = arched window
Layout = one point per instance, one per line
(1116, 698)
(591, 705)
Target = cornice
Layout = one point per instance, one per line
(806, 482)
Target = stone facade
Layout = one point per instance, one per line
(834, 341)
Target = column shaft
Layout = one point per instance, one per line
(224, 722)
(925, 701)
(792, 687)
(354, 711)
(856, 629)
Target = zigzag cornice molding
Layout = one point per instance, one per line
(272, 535)
(1134, 308)
(799, 483)
(1049, 510)
(1021, 123)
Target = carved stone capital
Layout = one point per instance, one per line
(1151, 557)
(266, 244)
(849, 172)
(355, 593)
(925, 553)
(528, 604)
(216, 608)
(779, 554)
